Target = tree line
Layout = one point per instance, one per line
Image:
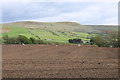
(21, 39)
(112, 39)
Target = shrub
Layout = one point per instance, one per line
(98, 40)
(23, 39)
(32, 40)
(5, 39)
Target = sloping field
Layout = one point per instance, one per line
(50, 61)
(54, 31)
(52, 26)
(14, 31)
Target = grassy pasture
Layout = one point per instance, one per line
(58, 36)
(15, 31)
(51, 31)
(53, 36)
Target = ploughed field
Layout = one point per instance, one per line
(62, 61)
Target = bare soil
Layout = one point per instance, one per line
(50, 61)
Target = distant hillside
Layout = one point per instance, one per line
(54, 26)
(103, 28)
(55, 31)
(64, 26)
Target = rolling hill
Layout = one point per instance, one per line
(54, 31)
(54, 26)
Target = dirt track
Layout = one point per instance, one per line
(48, 61)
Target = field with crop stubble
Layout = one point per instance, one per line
(62, 61)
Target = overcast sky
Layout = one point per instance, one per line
(86, 13)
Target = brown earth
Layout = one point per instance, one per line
(50, 61)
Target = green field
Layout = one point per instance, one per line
(15, 31)
(54, 36)
(59, 36)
